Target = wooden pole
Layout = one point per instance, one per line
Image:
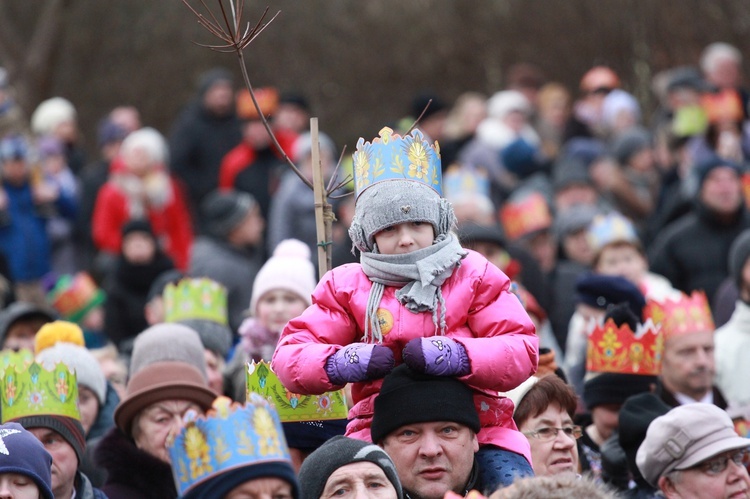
(323, 220)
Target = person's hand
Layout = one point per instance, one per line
(438, 356)
(359, 362)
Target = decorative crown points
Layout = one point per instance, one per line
(617, 349)
(611, 228)
(261, 380)
(193, 298)
(526, 216)
(392, 157)
(32, 390)
(684, 315)
(229, 436)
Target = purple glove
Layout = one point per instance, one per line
(359, 362)
(438, 356)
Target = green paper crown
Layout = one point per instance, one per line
(195, 299)
(20, 358)
(293, 407)
(35, 391)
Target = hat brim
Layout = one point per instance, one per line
(714, 448)
(150, 385)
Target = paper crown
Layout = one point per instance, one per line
(268, 100)
(393, 157)
(293, 407)
(722, 106)
(33, 391)
(230, 436)
(74, 296)
(688, 314)
(528, 215)
(195, 299)
(613, 349)
(611, 228)
(465, 181)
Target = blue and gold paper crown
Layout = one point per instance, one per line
(33, 390)
(230, 436)
(195, 299)
(293, 407)
(393, 157)
(611, 228)
(460, 181)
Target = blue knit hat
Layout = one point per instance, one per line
(22, 453)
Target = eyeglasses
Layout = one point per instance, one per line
(718, 464)
(547, 433)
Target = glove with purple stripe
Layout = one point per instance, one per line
(438, 356)
(359, 362)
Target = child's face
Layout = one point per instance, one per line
(405, 238)
(138, 248)
(623, 260)
(277, 307)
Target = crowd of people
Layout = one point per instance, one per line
(542, 293)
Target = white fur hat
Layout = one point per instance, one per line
(503, 103)
(88, 370)
(149, 139)
(289, 268)
(51, 113)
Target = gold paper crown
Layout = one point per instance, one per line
(613, 349)
(228, 437)
(35, 391)
(689, 314)
(292, 406)
(195, 299)
(526, 216)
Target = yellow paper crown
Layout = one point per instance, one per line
(292, 406)
(613, 349)
(34, 391)
(195, 299)
(689, 314)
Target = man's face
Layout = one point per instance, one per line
(722, 190)
(701, 482)
(556, 456)
(64, 460)
(363, 480)
(21, 333)
(219, 98)
(688, 363)
(432, 458)
(249, 232)
(156, 422)
(88, 404)
(606, 419)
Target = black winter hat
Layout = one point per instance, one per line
(408, 397)
(138, 225)
(570, 171)
(614, 388)
(23, 310)
(24, 454)
(337, 452)
(604, 291)
(630, 142)
(705, 167)
(738, 255)
(223, 211)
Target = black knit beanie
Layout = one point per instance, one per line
(407, 397)
(614, 388)
(70, 429)
(337, 452)
(220, 485)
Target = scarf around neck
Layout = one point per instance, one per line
(419, 274)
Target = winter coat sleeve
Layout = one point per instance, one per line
(307, 341)
(180, 229)
(504, 348)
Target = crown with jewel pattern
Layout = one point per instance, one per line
(393, 157)
(611, 228)
(20, 358)
(193, 298)
(465, 181)
(33, 390)
(688, 314)
(74, 296)
(229, 436)
(613, 349)
(530, 214)
(293, 407)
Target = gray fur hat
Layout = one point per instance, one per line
(392, 202)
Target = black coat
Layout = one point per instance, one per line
(131, 472)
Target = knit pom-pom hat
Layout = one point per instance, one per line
(290, 269)
(56, 332)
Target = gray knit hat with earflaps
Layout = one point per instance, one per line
(392, 202)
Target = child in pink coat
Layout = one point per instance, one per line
(416, 297)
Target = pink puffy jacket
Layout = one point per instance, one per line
(481, 314)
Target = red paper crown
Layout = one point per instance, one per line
(268, 100)
(722, 106)
(689, 314)
(524, 217)
(613, 349)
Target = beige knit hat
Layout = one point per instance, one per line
(290, 269)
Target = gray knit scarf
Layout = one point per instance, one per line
(420, 274)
